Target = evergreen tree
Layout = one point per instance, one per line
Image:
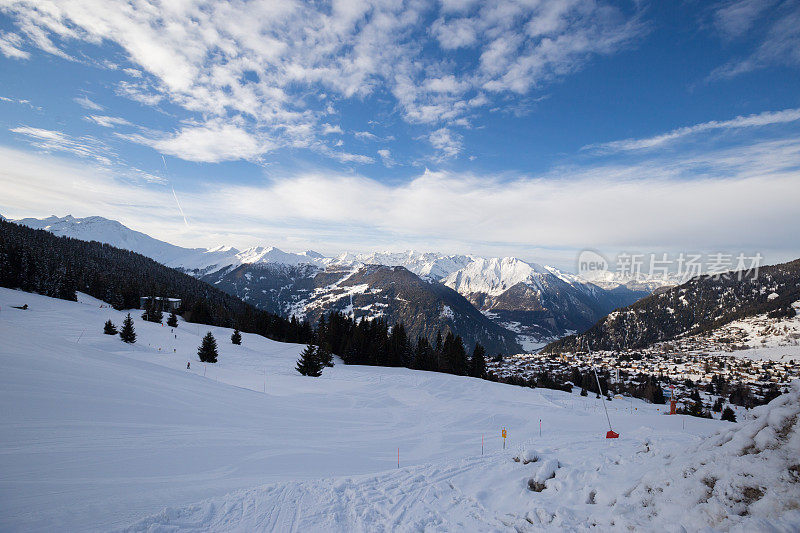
(437, 352)
(110, 328)
(172, 321)
(208, 349)
(398, 349)
(658, 395)
(127, 334)
(477, 364)
(729, 415)
(157, 316)
(325, 355)
(309, 363)
(424, 357)
(717, 407)
(236, 337)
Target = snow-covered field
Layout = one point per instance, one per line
(99, 435)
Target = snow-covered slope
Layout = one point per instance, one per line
(746, 478)
(98, 435)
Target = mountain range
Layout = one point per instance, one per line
(701, 305)
(507, 304)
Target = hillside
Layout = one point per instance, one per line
(364, 291)
(105, 435)
(702, 304)
(38, 261)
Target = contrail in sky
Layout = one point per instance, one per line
(175, 195)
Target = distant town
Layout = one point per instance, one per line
(745, 363)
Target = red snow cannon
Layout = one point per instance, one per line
(612, 435)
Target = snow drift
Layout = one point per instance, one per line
(746, 478)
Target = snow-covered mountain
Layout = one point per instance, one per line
(197, 261)
(699, 306)
(430, 265)
(535, 302)
(110, 232)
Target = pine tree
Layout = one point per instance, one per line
(208, 349)
(424, 358)
(399, 351)
(729, 415)
(658, 395)
(477, 364)
(157, 316)
(172, 321)
(717, 407)
(325, 355)
(128, 334)
(110, 328)
(309, 363)
(236, 338)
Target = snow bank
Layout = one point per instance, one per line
(746, 478)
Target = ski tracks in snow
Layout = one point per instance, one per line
(410, 499)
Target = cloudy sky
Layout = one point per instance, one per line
(531, 128)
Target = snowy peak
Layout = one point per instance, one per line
(496, 275)
(271, 254)
(430, 265)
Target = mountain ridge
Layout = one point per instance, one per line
(534, 302)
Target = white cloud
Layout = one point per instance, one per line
(107, 121)
(456, 33)
(734, 19)
(85, 103)
(56, 141)
(775, 27)
(386, 157)
(208, 143)
(256, 63)
(10, 44)
(446, 142)
(365, 135)
(132, 72)
(328, 129)
(750, 121)
(743, 203)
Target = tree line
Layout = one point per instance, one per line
(373, 342)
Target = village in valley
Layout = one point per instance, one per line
(745, 363)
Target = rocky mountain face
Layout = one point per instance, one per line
(538, 302)
(700, 305)
(392, 293)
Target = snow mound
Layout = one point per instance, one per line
(746, 478)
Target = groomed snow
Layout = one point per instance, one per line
(98, 435)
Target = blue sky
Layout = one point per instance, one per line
(510, 128)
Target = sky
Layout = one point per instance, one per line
(528, 128)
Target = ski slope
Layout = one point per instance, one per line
(99, 435)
